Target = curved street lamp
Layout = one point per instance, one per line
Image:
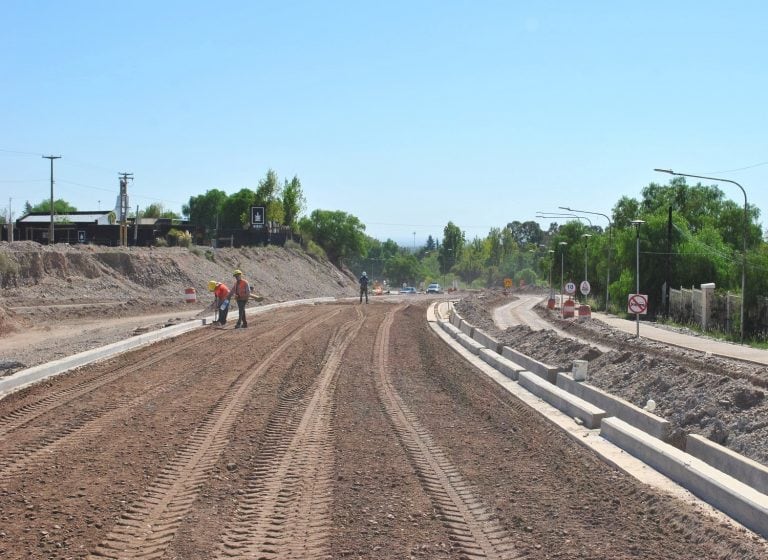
(610, 246)
(551, 215)
(746, 228)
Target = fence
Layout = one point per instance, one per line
(718, 312)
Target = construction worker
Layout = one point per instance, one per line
(241, 291)
(221, 301)
(364, 287)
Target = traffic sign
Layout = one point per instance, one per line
(637, 304)
(570, 288)
(585, 288)
(507, 283)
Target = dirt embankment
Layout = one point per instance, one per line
(45, 283)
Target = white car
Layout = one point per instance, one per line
(434, 289)
(408, 290)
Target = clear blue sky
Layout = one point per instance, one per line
(406, 114)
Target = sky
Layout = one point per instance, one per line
(405, 114)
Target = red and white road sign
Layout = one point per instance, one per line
(570, 288)
(637, 304)
(585, 288)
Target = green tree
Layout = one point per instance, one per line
(402, 268)
(294, 202)
(452, 247)
(236, 209)
(341, 235)
(60, 206)
(205, 209)
(471, 263)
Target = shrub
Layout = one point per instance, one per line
(160, 242)
(180, 238)
(315, 250)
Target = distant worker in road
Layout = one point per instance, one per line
(242, 292)
(363, 287)
(221, 301)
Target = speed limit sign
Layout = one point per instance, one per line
(570, 288)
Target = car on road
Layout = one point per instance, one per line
(408, 290)
(434, 289)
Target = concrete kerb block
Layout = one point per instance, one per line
(455, 319)
(529, 364)
(486, 340)
(723, 459)
(745, 504)
(469, 344)
(500, 363)
(467, 328)
(450, 329)
(650, 423)
(564, 401)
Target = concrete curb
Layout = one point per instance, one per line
(732, 495)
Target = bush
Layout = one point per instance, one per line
(315, 250)
(160, 242)
(180, 238)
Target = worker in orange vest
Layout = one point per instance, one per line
(242, 292)
(221, 301)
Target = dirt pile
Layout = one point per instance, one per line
(64, 281)
(721, 399)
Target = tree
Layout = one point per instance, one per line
(236, 209)
(293, 201)
(60, 206)
(525, 233)
(204, 209)
(402, 268)
(470, 265)
(340, 234)
(452, 247)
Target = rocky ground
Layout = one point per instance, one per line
(721, 399)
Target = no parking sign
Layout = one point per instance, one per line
(637, 304)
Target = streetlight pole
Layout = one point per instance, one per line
(50, 227)
(637, 224)
(551, 262)
(562, 245)
(610, 247)
(746, 228)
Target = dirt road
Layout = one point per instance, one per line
(333, 431)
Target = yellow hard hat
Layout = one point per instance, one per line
(237, 272)
(212, 285)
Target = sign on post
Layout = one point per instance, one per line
(637, 304)
(585, 288)
(570, 288)
(257, 215)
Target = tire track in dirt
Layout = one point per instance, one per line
(285, 512)
(470, 523)
(30, 411)
(91, 424)
(148, 526)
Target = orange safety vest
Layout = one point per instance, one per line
(221, 292)
(241, 289)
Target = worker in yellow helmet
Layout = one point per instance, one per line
(242, 292)
(221, 301)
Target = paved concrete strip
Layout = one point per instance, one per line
(26, 377)
(745, 504)
(702, 344)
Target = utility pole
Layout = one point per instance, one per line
(50, 227)
(124, 178)
(10, 221)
